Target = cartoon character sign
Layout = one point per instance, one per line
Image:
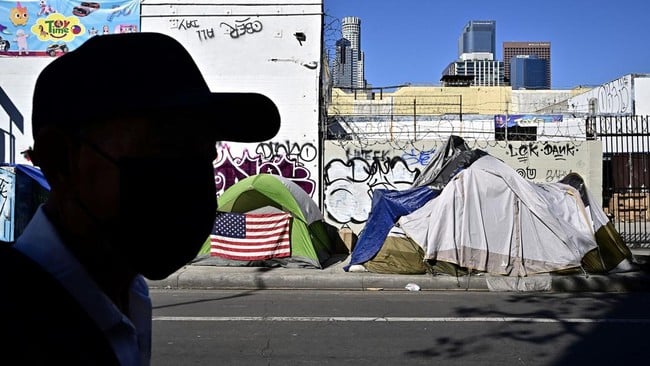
(21, 39)
(49, 23)
(45, 8)
(18, 15)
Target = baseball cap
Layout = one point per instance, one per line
(144, 72)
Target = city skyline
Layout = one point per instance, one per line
(411, 42)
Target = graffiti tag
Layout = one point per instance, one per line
(184, 24)
(242, 27)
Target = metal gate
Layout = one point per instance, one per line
(626, 174)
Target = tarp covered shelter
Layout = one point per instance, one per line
(389, 205)
(386, 208)
(490, 219)
(265, 193)
(487, 218)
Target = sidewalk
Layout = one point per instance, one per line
(333, 277)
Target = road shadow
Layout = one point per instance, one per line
(588, 328)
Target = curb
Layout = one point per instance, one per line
(209, 277)
(260, 278)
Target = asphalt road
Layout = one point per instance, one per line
(293, 327)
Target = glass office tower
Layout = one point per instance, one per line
(478, 40)
(476, 55)
(538, 49)
(347, 68)
(528, 72)
(344, 65)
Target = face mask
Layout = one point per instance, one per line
(167, 210)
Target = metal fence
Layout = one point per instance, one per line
(626, 174)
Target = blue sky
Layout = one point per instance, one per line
(412, 41)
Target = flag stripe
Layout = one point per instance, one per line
(240, 243)
(251, 236)
(239, 254)
(223, 249)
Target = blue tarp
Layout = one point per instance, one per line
(32, 172)
(387, 207)
(35, 174)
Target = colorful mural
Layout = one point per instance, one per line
(502, 120)
(54, 27)
(233, 165)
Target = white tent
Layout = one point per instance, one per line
(490, 219)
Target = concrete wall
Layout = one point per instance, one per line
(531, 101)
(381, 128)
(251, 46)
(642, 96)
(239, 46)
(353, 171)
(614, 97)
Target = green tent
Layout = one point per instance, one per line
(264, 193)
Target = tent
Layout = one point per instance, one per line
(486, 218)
(24, 188)
(612, 254)
(310, 244)
(387, 206)
(490, 219)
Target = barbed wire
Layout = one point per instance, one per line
(331, 34)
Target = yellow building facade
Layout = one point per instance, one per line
(422, 100)
(443, 100)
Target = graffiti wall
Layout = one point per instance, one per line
(290, 160)
(240, 46)
(273, 49)
(614, 97)
(351, 173)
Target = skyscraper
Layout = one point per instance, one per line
(528, 72)
(476, 55)
(344, 65)
(484, 72)
(478, 40)
(347, 68)
(541, 50)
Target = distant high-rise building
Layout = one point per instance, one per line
(476, 56)
(347, 68)
(541, 50)
(484, 72)
(528, 72)
(478, 40)
(344, 65)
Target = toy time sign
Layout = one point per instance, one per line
(54, 27)
(58, 27)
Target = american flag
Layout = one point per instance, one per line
(251, 236)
